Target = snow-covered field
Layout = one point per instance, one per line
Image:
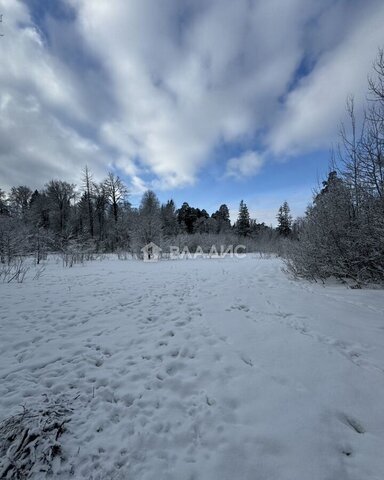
(199, 369)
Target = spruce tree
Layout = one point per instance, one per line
(243, 221)
(284, 220)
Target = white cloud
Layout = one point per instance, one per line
(38, 93)
(184, 87)
(313, 111)
(246, 165)
(35, 147)
(27, 66)
(153, 88)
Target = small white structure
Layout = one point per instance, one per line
(151, 252)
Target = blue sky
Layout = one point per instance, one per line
(205, 101)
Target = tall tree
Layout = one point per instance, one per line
(19, 200)
(101, 205)
(284, 220)
(149, 221)
(88, 192)
(222, 218)
(186, 217)
(243, 221)
(116, 193)
(39, 210)
(60, 194)
(169, 219)
(350, 157)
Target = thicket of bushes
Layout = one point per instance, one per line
(342, 233)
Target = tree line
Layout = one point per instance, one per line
(98, 217)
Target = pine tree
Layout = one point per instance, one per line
(187, 217)
(222, 218)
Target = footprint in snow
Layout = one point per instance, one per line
(352, 423)
(242, 307)
(246, 360)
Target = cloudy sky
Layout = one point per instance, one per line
(208, 101)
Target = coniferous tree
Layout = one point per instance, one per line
(284, 220)
(243, 220)
(170, 225)
(222, 218)
(187, 217)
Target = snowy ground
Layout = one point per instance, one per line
(199, 369)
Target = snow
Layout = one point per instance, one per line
(199, 369)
